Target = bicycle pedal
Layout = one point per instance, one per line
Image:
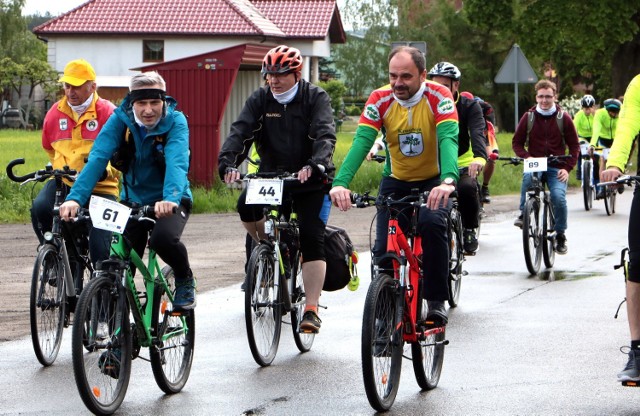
(470, 253)
(180, 312)
(631, 383)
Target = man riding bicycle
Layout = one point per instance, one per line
(155, 173)
(420, 120)
(605, 121)
(542, 137)
(583, 120)
(69, 131)
(291, 122)
(472, 150)
(627, 130)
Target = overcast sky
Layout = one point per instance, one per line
(55, 7)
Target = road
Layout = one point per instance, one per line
(519, 344)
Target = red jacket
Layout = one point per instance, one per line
(545, 139)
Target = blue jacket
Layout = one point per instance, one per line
(146, 183)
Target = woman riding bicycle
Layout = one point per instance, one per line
(583, 120)
(291, 122)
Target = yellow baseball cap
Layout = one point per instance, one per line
(78, 72)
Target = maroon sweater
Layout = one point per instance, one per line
(545, 139)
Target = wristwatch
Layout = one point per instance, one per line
(449, 181)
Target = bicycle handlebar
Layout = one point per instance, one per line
(622, 180)
(39, 175)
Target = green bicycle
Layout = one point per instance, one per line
(105, 340)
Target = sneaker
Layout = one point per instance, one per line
(185, 295)
(470, 241)
(109, 363)
(485, 195)
(310, 322)
(102, 332)
(631, 371)
(561, 243)
(437, 315)
(518, 221)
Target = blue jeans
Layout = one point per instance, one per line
(558, 192)
(432, 226)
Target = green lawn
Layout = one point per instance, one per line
(15, 200)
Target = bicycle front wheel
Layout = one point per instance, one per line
(428, 352)
(262, 306)
(587, 188)
(382, 342)
(304, 340)
(532, 235)
(47, 305)
(610, 200)
(548, 234)
(456, 258)
(102, 368)
(172, 352)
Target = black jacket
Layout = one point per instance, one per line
(471, 128)
(286, 136)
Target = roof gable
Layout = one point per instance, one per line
(275, 18)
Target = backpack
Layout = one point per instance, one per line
(559, 121)
(341, 260)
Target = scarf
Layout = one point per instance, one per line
(80, 109)
(413, 100)
(548, 112)
(287, 96)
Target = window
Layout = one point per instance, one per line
(152, 50)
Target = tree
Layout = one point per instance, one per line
(11, 24)
(362, 62)
(336, 90)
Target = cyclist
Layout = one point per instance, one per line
(70, 128)
(156, 173)
(493, 152)
(291, 122)
(605, 121)
(545, 139)
(472, 150)
(583, 120)
(420, 120)
(627, 129)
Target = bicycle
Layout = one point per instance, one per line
(274, 274)
(395, 312)
(588, 179)
(60, 269)
(538, 240)
(610, 190)
(104, 341)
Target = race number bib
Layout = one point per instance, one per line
(535, 164)
(108, 215)
(264, 192)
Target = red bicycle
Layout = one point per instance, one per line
(395, 312)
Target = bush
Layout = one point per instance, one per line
(353, 110)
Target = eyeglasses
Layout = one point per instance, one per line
(545, 97)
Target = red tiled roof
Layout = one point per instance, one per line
(277, 18)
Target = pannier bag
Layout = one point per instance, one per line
(341, 260)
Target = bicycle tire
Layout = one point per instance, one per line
(102, 369)
(262, 306)
(47, 304)
(531, 235)
(171, 354)
(548, 234)
(587, 187)
(456, 258)
(427, 354)
(610, 200)
(303, 340)
(382, 342)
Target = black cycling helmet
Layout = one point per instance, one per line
(587, 101)
(445, 69)
(612, 104)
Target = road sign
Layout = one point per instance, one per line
(516, 69)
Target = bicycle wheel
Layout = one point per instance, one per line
(456, 258)
(382, 342)
(304, 340)
(174, 335)
(548, 235)
(610, 200)
(428, 353)
(47, 304)
(587, 188)
(531, 235)
(262, 306)
(102, 369)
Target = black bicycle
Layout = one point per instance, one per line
(538, 233)
(60, 270)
